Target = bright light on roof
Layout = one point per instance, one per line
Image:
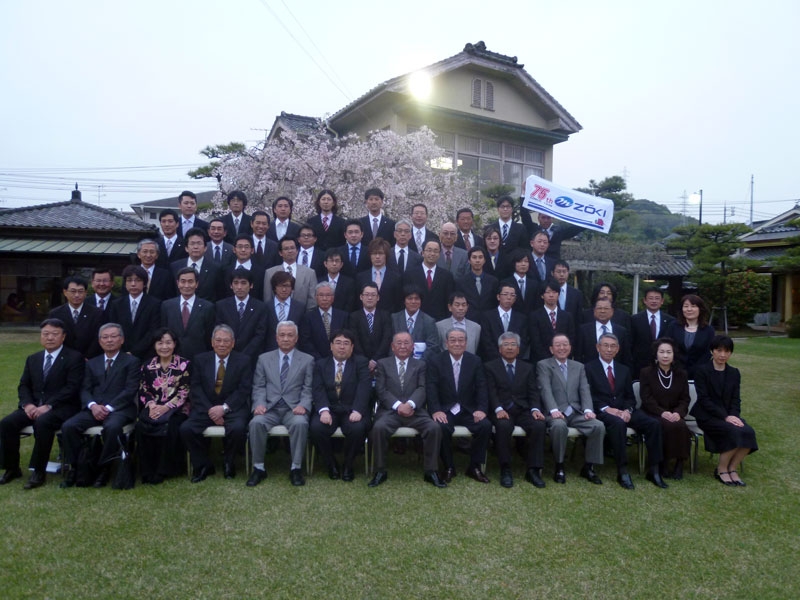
(420, 85)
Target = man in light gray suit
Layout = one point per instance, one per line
(282, 387)
(420, 325)
(305, 279)
(568, 400)
(452, 258)
(400, 383)
(458, 307)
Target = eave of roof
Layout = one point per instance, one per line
(72, 215)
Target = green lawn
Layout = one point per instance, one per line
(220, 539)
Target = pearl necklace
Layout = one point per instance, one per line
(662, 378)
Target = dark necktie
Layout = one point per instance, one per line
(553, 319)
(505, 232)
(217, 255)
(540, 266)
(101, 304)
(326, 323)
(353, 256)
(478, 284)
(370, 321)
(260, 249)
(305, 258)
(510, 372)
(75, 315)
(652, 327)
(467, 245)
(220, 377)
(109, 362)
(185, 314)
(284, 370)
(430, 279)
(611, 380)
(48, 363)
(325, 223)
(134, 307)
(241, 309)
(236, 225)
(401, 262)
(374, 227)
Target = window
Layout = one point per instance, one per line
(468, 144)
(476, 93)
(491, 148)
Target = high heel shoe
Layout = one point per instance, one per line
(736, 481)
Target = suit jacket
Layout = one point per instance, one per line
(292, 230)
(478, 240)
(250, 331)
(656, 399)
(642, 341)
(362, 264)
(164, 260)
(162, 284)
(196, 337)
(620, 317)
(459, 264)
(501, 269)
(91, 300)
(574, 304)
(305, 280)
(355, 391)
(236, 384)
(412, 259)
(385, 229)
(541, 331)
(345, 296)
(391, 390)
(257, 271)
(317, 262)
(227, 257)
(492, 329)
(116, 388)
(556, 233)
(621, 398)
(198, 223)
(210, 281)
(698, 354)
(534, 268)
(440, 385)
(313, 339)
(373, 345)
(713, 401)
(429, 235)
(230, 228)
(522, 391)
(391, 292)
(473, 333)
(478, 301)
(587, 343)
(533, 297)
(295, 315)
(269, 256)
(299, 381)
(61, 389)
(558, 394)
(517, 236)
(434, 301)
(139, 332)
(424, 331)
(81, 336)
(333, 237)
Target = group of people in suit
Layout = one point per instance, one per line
(326, 326)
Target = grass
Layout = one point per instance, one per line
(404, 539)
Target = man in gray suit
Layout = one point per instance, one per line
(458, 307)
(400, 383)
(568, 400)
(305, 279)
(421, 326)
(282, 387)
(452, 258)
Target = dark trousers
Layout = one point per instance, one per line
(643, 424)
(162, 455)
(354, 436)
(480, 438)
(44, 432)
(72, 432)
(197, 445)
(534, 437)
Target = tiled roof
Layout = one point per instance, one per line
(50, 246)
(72, 215)
(299, 123)
(765, 253)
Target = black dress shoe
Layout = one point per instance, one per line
(10, 475)
(256, 477)
(348, 474)
(378, 479)
(448, 474)
(433, 478)
(296, 477)
(560, 476)
(333, 472)
(201, 474)
(677, 473)
(624, 479)
(588, 473)
(506, 478)
(69, 479)
(102, 479)
(736, 481)
(36, 479)
(229, 470)
(656, 479)
(534, 476)
(476, 474)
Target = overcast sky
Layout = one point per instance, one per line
(120, 96)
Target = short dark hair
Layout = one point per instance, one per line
(345, 333)
(653, 289)
(537, 232)
(331, 252)
(195, 232)
(373, 191)
(669, 341)
(350, 222)
(191, 195)
(561, 263)
(454, 295)
(169, 212)
(77, 280)
(334, 208)
(379, 246)
(410, 290)
(596, 292)
(551, 284)
(135, 271)
(517, 254)
(243, 237)
(419, 204)
(185, 271)
(723, 342)
(237, 194)
(53, 322)
(261, 213)
(503, 199)
(279, 278)
(461, 211)
(370, 284)
(306, 226)
(702, 320)
(214, 219)
(475, 249)
(431, 241)
(161, 332)
(98, 270)
(279, 198)
(242, 273)
(288, 239)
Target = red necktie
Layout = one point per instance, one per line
(430, 279)
(553, 319)
(325, 223)
(611, 381)
(185, 314)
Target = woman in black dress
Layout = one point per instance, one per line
(717, 412)
(164, 405)
(692, 334)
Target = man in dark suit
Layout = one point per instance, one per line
(341, 393)
(108, 400)
(345, 292)
(326, 223)
(615, 405)
(160, 282)
(570, 299)
(102, 298)
(170, 244)
(468, 284)
(420, 233)
(402, 257)
(389, 281)
(318, 323)
(436, 283)
(218, 251)
(467, 239)
(648, 325)
(282, 225)
(372, 327)
(49, 394)
(138, 314)
(282, 395)
(221, 382)
(547, 321)
(190, 317)
(243, 251)
(400, 384)
(525, 283)
(209, 274)
(541, 267)
(356, 256)
(512, 234)
(514, 401)
(589, 334)
(457, 395)
(81, 321)
(500, 320)
(281, 307)
(187, 205)
(236, 222)
(309, 255)
(245, 315)
(265, 249)
(422, 327)
(568, 402)
(556, 233)
(375, 224)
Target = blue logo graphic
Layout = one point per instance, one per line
(564, 201)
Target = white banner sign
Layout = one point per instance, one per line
(585, 210)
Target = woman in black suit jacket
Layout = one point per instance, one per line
(327, 207)
(717, 412)
(692, 333)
